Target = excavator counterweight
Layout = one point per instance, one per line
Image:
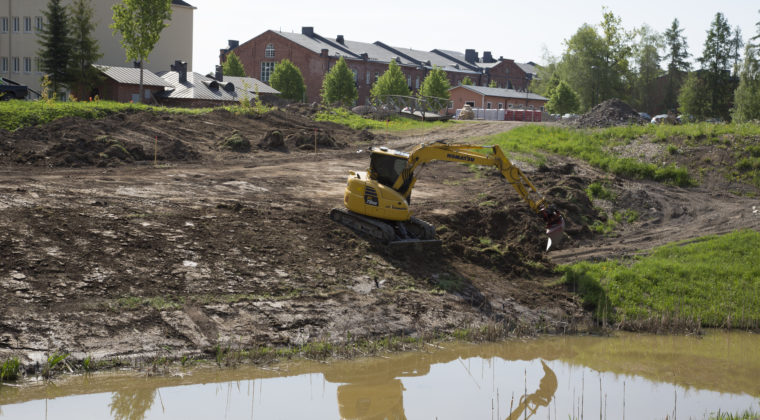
(377, 201)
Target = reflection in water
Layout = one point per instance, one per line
(639, 377)
(541, 398)
(132, 404)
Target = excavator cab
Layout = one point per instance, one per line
(386, 165)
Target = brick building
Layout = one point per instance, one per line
(495, 98)
(314, 55)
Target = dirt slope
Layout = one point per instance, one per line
(118, 257)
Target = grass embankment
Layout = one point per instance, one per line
(595, 147)
(20, 114)
(357, 122)
(711, 282)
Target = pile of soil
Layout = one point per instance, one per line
(609, 113)
(127, 138)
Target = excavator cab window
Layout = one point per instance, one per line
(386, 168)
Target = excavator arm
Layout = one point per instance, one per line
(472, 154)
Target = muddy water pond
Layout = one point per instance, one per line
(626, 376)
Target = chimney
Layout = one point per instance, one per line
(340, 40)
(180, 67)
(233, 43)
(219, 75)
(308, 31)
(470, 56)
(487, 57)
(323, 53)
(365, 56)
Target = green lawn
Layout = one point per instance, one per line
(714, 280)
(357, 122)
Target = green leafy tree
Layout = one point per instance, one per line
(338, 86)
(747, 95)
(436, 84)
(85, 51)
(716, 66)
(693, 98)
(287, 78)
(647, 57)
(676, 56)
(493, 84)
(466, 81)
(614, 73)
(547, 79)
(563, 99)
(232, 66)
(581, 64)
(55, 43)
(140, 23)
(392, 82)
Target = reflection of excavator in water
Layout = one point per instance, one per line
(541, 398)
(377, 202)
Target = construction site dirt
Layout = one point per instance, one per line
(148, 233)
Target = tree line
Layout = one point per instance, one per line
(652, 71)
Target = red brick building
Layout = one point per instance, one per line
(495, 98)
(314, 55)
(122, 84)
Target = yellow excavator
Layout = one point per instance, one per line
(377, 201)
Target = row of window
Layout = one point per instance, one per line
(14, 24)
(501, 106)
(14, 64)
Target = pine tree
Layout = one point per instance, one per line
(676, 55)
(737, 44)
(287, 78)
(55, 43)
(716, 65)
(747, 95)
(338, 86)
(392, 82)
(233, 67)
(85, 50)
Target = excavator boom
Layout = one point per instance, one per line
(377, 203)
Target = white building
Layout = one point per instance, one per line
(21, 21)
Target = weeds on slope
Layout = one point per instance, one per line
(710, 282)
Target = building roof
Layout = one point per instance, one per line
(528, 68)
(376, 52)
(182, 3)
(502, 93)
(199, 87)
(253, 84)
(317, 44)
(430, 59)
(131, 76)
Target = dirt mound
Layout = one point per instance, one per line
(236, 143)
(609, 113)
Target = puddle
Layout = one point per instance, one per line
(629, 376)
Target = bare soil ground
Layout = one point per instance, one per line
(105, 254)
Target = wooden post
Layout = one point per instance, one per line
(315, 142)
(155, 152)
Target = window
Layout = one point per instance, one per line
(509, 106)
(16, 65)
(27, 65)
(37, 64)
(4, 65)
(356, 76)
(27, 24)
(267, 67)
(377, 76)
(417, 84)
(470, 103)
(488, 105)
(501, 105)
(4, 25)
(16, 24)
(269, 51)
(409, 81)
(369, 74)
(38, 23)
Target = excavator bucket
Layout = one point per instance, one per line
(555, 233)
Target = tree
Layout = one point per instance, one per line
(736, 47)
(693, 98)
(563, 99)
(581, 64)
(647, 56)
(493, 84)
(338, 86)
(232, 66)
(716, 66)
(55, 43)
(85, 51)
(287, 78)
(747, 95)
(614, 73)
(140, 23)
(436, 85)
(392, 82)
(466, 81)
(676, 54)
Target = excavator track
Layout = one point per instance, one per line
(413, 235)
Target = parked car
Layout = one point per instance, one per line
(645, 116)
(12, 90)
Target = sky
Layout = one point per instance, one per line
(520, 30)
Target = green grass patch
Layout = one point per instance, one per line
(715, 280)
(9, 370)
(748, 414)
(20, 114)
(357, 122)
(591, 146)
(598, 190)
